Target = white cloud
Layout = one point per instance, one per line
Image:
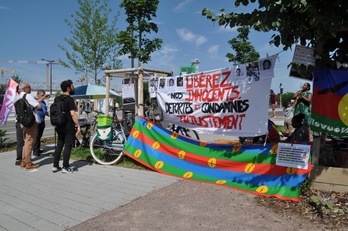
(165, 56)
(213, 50)
(188, 36)
(182, 6)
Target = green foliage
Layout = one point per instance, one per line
(286, 97)
(326, 204)
(133, 40)
(305, 186)
(319, 24)
(16, 78)
(93, 39)
(2, 138)
(244, 51)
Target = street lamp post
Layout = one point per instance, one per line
(49, 62)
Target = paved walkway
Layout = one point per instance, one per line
(42, 200)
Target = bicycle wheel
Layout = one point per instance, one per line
(107, 152)
(189, 133)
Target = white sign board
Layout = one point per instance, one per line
(293, 155)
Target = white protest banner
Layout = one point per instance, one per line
(232, 100)
(293, 155)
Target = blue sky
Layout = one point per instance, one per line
(31, 30)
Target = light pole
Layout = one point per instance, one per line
(49, 62)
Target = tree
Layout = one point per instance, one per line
(16, 78)
(133, 40)
(320, 24)
(244, 51)
(93, 39)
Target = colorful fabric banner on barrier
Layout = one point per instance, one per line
(230, 100)
(8, 103)
(249, 168)
(330, 102)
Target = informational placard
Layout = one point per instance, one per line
(293, 155)
(302, 55)
(128, 95)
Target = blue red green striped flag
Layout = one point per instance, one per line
(249, 168)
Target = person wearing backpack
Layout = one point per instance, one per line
(29, 132)
(66, 132)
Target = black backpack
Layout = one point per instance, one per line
(58, 116)
(24, 113)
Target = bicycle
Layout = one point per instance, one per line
(154, 113)
(184, 131)
(109, 152)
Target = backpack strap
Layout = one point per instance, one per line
(26, 101)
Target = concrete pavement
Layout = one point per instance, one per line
(42, 200)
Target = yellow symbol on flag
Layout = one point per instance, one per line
(249, 168)
(343, 109)
(221, 182)
(149, 126)
(212, 162)
(135, 134)
(274, 149)
(156, 145)
(291, 170)
(188, 175)
(137, 153)
(174, 135)
(262, 189)
(159, 164)
(181, 154)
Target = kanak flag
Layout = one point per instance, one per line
(8, 103)
(330, 102)
(249, 168)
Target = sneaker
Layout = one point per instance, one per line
(18, 162)
(56, 169)
(31, 166)
(68, 170)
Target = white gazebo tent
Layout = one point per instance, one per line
(136, 73)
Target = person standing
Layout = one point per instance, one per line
(303, 101)
(19, 135)
(273, 102)
(66, 133)
(29, 133)
(40, 126)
